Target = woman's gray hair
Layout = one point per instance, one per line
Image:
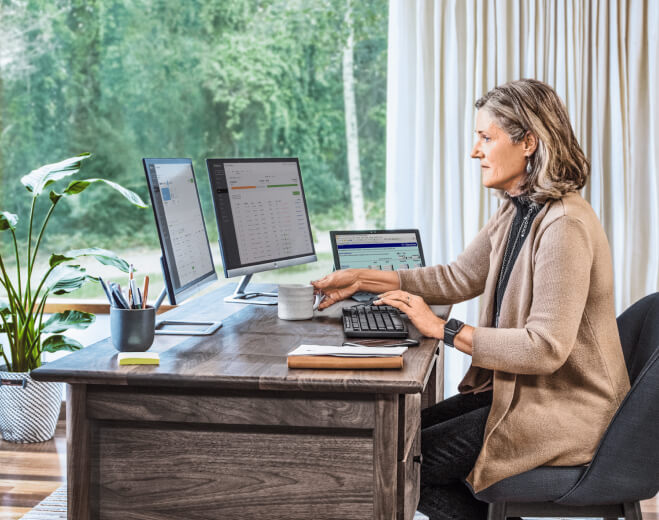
(558, 165)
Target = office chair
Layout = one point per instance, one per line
(625, 468)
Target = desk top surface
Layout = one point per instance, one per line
(247, 353)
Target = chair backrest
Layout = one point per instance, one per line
(638, 327)
(625, 467)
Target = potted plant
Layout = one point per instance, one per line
(29, 409)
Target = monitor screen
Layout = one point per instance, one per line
(382, 250)
(187, 260)
(261, 214)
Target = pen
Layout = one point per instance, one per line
(119, 298)
(133, 295)
(105, 289)
(145, 292)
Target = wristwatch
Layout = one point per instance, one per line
(451, 329)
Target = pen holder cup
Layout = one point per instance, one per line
(132, 329)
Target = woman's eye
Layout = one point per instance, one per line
(485, 138)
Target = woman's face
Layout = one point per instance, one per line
(503, 163)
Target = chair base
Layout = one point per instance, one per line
(502, 510)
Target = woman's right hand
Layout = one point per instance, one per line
(337, 286)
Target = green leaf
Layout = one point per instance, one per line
(102, 255)
(56, 260)
(54, 196)
(38, 180)
(8, 221)
(59, 342)
(76, 187)
(62, 321)
(65, 279)
(4, 310)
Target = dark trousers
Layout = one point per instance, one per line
(451, 439)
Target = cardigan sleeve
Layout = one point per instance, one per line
(460, 280)
(561, 283)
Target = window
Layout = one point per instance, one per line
(164, 78)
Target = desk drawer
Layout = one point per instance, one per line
(179, 473)
(409, 480)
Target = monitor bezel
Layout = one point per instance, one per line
(258, 267)
(335, 249)
(185, 291)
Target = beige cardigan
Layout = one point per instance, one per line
(555, 361)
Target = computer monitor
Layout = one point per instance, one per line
(262, 219)
(385, 250)
(186, 260)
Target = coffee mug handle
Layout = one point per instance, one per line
(317, 299)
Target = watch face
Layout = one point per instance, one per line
(453, 325)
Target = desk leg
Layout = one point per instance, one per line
(385, 437)
(78, 458)
(434, 391)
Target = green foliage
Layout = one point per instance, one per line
(62, 321)
(57, 342)
(104, 256)
(201, 78)
(21, 313)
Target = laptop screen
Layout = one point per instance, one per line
(384, 250)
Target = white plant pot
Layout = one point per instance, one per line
(28, 413)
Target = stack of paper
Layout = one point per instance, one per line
(323, 356)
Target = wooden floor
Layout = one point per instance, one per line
(31, 472)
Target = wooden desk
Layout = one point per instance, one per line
(223, 429)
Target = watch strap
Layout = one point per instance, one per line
(451, 329)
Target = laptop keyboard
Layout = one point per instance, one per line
(373, 321)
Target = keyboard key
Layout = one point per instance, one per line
(371, 322)
(387, 321)
(378, 320)
(397, 322)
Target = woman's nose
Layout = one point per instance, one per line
(475, 152)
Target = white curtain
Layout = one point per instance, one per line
(602, 57)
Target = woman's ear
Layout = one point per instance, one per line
(530, 143)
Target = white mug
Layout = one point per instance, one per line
(297, 302)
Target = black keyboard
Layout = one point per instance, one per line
(373, 321)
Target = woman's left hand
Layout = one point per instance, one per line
(417, 311)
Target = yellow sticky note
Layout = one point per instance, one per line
(138, 358)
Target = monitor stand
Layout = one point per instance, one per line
(183, 328)
(240, 296)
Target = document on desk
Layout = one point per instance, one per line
(323, 356)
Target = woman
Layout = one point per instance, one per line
(547, 371)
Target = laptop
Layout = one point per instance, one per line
(386, 250)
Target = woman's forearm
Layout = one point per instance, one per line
(464, 340)
(375, 281)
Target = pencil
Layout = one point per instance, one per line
(130, 279)
(145, 291)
